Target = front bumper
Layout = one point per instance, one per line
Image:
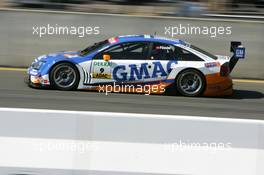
(36, 81)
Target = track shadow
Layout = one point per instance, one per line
(246, 94)
(238, 94)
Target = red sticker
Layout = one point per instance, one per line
(112, 40)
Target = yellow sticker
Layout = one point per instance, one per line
(101, 75)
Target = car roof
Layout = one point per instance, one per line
(149, 38)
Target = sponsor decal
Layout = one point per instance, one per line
(113, 40)
(101, 69)
(101, 75)
(212, 64)
(102, 64)
(132, 72)
(240, 52)
(163, 48)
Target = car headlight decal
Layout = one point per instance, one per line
(37, 65)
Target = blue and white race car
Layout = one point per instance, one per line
(138, 64)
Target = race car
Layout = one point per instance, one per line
(145, 64)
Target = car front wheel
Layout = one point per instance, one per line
(64, 76)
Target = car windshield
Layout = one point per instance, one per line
(93, 47)
(204, 52)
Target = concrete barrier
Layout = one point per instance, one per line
(120, 143)
(18, 45)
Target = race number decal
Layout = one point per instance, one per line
(102, 70)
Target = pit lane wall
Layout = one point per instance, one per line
(19, 46)
(122, 143)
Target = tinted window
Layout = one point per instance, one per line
(93, 48)
(135, 51)
(185, 55)
(116, 52)
(160, 51)
(130, 51)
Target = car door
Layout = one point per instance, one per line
(161, 60)
(127, 64)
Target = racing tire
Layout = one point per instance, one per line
(190, 83)
(64, 76)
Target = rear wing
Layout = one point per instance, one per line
(238, 53)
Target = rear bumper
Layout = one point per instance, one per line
(218, 85)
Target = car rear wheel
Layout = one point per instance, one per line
(190, 83)
(64, 76)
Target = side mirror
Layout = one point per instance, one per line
(106, 57)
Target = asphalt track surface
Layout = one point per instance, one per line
(247, 101)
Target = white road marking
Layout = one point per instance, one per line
(134, 115)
